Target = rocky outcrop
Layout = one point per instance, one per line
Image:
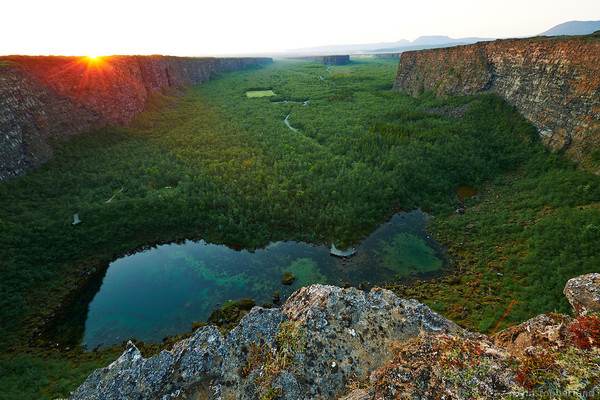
(332, 343)
(43, 98)
(583, 292)
(348, 335)
(553, 82)
(334, 60)
(541, 331)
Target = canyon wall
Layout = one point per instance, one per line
(327, 60)
(334, 60)
(44, 98)
(553, 82)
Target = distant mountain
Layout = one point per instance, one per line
(422, 42)
(430, 42)
(349, 48)
(573, 28)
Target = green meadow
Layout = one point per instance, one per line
(260, 93)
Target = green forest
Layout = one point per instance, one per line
(210, 162)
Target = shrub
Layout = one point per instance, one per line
(586, 332)
(537, 370)
(273, 359)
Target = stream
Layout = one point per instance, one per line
(305, 102)
(288, 124)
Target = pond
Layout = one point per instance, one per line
(163, 290)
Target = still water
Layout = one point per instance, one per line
(162, 291)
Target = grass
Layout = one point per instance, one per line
(260, 93)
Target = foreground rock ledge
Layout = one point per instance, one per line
(349, 335)
(358, 346)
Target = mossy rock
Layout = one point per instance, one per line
(276, 298)
(230, 313)
(246, 303)
(288, 278)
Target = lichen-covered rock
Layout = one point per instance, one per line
(332, 343)
(357, 394)
(190, 366)
(583, 292)
(544, 331)
(444, 367)
(349, 334)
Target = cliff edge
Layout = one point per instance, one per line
(332, 343)
(42, 98)
(553, 82)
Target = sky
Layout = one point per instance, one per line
(230, 27)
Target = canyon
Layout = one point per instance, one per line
(553, 81)
(325, 342)
(48, 98)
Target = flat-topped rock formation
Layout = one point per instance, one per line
(553, 82)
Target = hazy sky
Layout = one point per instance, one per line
(216, 27)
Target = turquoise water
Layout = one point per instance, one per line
(163, 290)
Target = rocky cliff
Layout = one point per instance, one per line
(327, 60)
(553, 82)
(42, 98)
(333, 343)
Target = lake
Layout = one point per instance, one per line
(163, 290)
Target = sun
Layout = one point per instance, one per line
(94, 61)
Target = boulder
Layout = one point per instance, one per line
(543, 331)
(288, 278)
(583, 292)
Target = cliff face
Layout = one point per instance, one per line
(334, 60)
(56, 97)
(553, 82)
(327, 60)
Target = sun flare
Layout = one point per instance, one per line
(94, 61)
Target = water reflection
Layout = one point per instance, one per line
(161, 291)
